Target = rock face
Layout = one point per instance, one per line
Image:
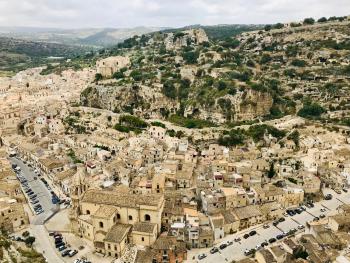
(143, 101)
(149, 102)
(252, 104)
(185, 38)
(246, 105)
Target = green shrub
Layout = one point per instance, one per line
(311, 111)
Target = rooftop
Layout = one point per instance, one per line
(117, 233)
(122, 199)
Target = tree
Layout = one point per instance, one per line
(29, 241)
(265, 59)
(118, 75)
(233, 138)
(299, 63)
(191, 57)
(322, 20)
(271, 173)
(300, 252)
(278, 26)
(309, 21)
(98, 77)
(136, 75)
(311, 110)
(268, 27)
(169, 89)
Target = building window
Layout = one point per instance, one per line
(88, 212)
(118, 216)
(147, 217)
(142, 239)
(130, 217)
(101, 224)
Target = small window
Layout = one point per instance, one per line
(118, 216)
(88, 212)
(147, 217)
(101, 224)
(130, 217)
(142, 238)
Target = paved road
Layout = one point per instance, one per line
(43, 242)
(236, 251)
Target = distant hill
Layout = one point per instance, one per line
(219, 32)
(99, 37)
(17, 54)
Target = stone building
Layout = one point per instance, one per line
(106, 67)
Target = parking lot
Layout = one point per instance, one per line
(236, 251)
(31, 183)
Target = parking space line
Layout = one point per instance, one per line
(310, 213)
(326, 207)
(295, 220)
(340, 200)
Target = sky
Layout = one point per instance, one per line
(162, 13)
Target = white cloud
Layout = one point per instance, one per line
(130, 13)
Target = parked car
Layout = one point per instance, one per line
(275, 223)
(32, 197)
(237, 239)
(223, 246)
(345, 190)
(328, 197)
(59, 244)
(201, 256)
(39, 212)
(61, 248)
(322, 216)
(252, 233)
(214, 250)
(73, 252)
(282, 219)
(57, 235)
(323, 210)
(279, 237)
(264, 244)
(298, 211)
(301, 227)
(246, 236)
(248, 252)
(272, 240)
(65, 253)
(34, 201)
(290, 212)
(265, 226)
(229, 243)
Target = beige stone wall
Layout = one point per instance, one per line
(143, 239)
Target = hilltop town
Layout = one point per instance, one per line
(174, 147)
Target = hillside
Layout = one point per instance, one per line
(98, 37)
(193, 81)
(217, 32)
(16, 54)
